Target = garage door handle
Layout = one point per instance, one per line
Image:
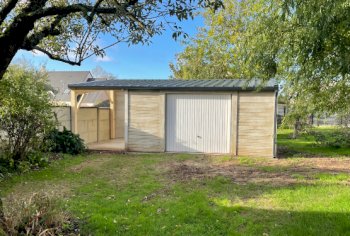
(199, 136)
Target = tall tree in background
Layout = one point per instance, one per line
(212, 54)
(305, 44)
(69, 30)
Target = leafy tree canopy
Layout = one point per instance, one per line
(303, 44)
(69, 30)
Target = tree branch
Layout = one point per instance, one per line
(32, 41)
(57, 58)
(7, 9)
(92, 14)
(75, 8)
(104, 48)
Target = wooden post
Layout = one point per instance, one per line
(74, 111)
(162, 109)
(126, 118)
(98, 124)
(275, 126)
(112, 114)
(234, 124)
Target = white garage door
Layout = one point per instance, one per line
(198, 123)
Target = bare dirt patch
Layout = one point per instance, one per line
(328, 164)
(316, 164)
(238, 174)
(277, 172)
(94, 164)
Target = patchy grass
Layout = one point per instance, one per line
(168, 194)
(38, 214)
(305, 145)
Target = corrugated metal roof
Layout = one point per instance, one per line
(201, 85)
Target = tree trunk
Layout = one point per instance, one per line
(13, 39)
(2, 214)
(296, 128)
(311, 119)
(7, 54)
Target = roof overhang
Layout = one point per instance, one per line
(178, 85)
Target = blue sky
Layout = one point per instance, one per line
(129, 62)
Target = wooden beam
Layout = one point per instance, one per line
(80, 91)
(275, 126)
(112, 113)
(126, 118)
(162, 116)
(80, 100)
(74, 111)
(234, 124)
(98, 124)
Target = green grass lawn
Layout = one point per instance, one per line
(178, 194)
(305, 144)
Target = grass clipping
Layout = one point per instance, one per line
(40, 214)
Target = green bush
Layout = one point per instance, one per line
(65, 142)
(25, 117)
(337, 139)
(6, 164)
(38, 159)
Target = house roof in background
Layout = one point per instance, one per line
(59, 81)
(180, 85)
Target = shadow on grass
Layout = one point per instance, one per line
(310, 151)
(254, 221)
(211, 207)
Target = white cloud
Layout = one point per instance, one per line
(103, 59)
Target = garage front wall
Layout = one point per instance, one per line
(146, 121)
(198, 122)
(256, 124)
(252, 131)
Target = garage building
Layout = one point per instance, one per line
(192, 116)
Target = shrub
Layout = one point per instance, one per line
(41, 214)
(65, 142)
(337, 139)
(38, 159)
(25, 115)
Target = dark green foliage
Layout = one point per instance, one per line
(34, 160)
(25, 118)
(338, 138)
(5, 164)
(65, 142)
(38, 159)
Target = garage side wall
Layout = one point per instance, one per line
(146, 121)
(256, 124)
(120, 113)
